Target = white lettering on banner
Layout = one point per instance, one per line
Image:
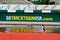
(46, 11)
(38, 18)
(8, 17)
(28, 7)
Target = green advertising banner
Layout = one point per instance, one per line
(33, 11)
(30, 17)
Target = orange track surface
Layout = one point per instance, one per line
(29, 36)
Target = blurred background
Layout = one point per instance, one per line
(31, 29)
(30, 1)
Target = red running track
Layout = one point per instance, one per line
(29, 36)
